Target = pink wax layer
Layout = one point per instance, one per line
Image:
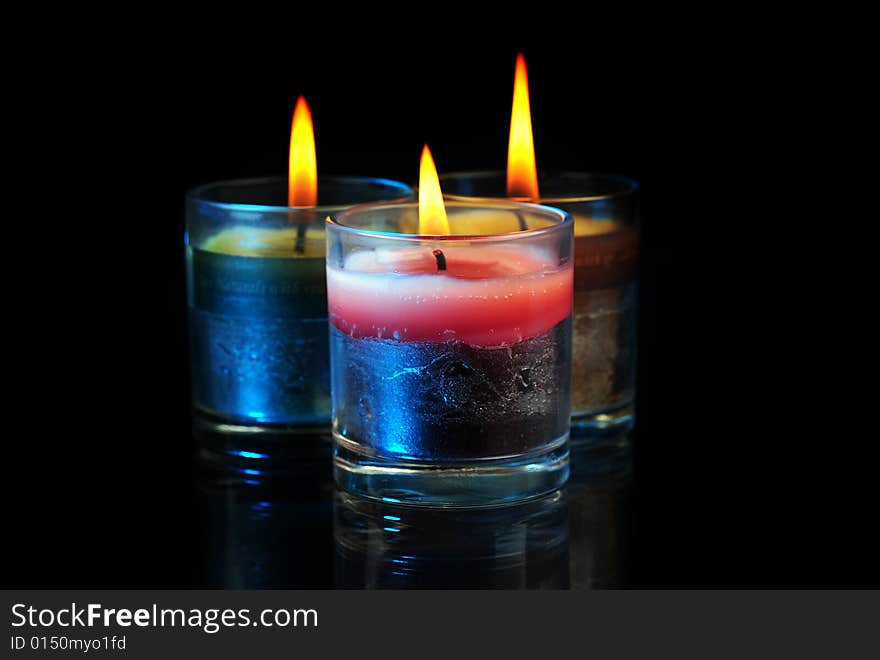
(487, 296)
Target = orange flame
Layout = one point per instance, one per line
(432, 213)
(302, 189)
(522, 173)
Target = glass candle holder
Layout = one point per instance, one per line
(450, 355)
(604, 208)
(257, 301)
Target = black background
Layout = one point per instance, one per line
(99, 474)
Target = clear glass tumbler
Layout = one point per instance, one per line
(606, 242)
(258, 305)
(450, 355)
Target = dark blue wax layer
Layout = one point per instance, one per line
(448, 401)
(258, 329)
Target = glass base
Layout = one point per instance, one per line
(598, 427)
(460, 484)
(220, 439)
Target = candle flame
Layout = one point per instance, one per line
(302, 187)
(522, 173)
(432, 213)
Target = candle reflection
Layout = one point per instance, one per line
(576, 538)
(266, 524)
(387, 546)
(600, 516)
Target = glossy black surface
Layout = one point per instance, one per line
(265, 526)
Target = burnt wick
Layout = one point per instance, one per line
(441, 259)
(300, 246)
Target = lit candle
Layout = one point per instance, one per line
(257, 292)
(494, 298)
(604, 211)
(450, 348)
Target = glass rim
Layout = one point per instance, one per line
(631, 185)
(197, 194)
(564, 220)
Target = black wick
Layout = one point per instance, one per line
(441, 259)
(300, 246)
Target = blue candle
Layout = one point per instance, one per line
(257, 298)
